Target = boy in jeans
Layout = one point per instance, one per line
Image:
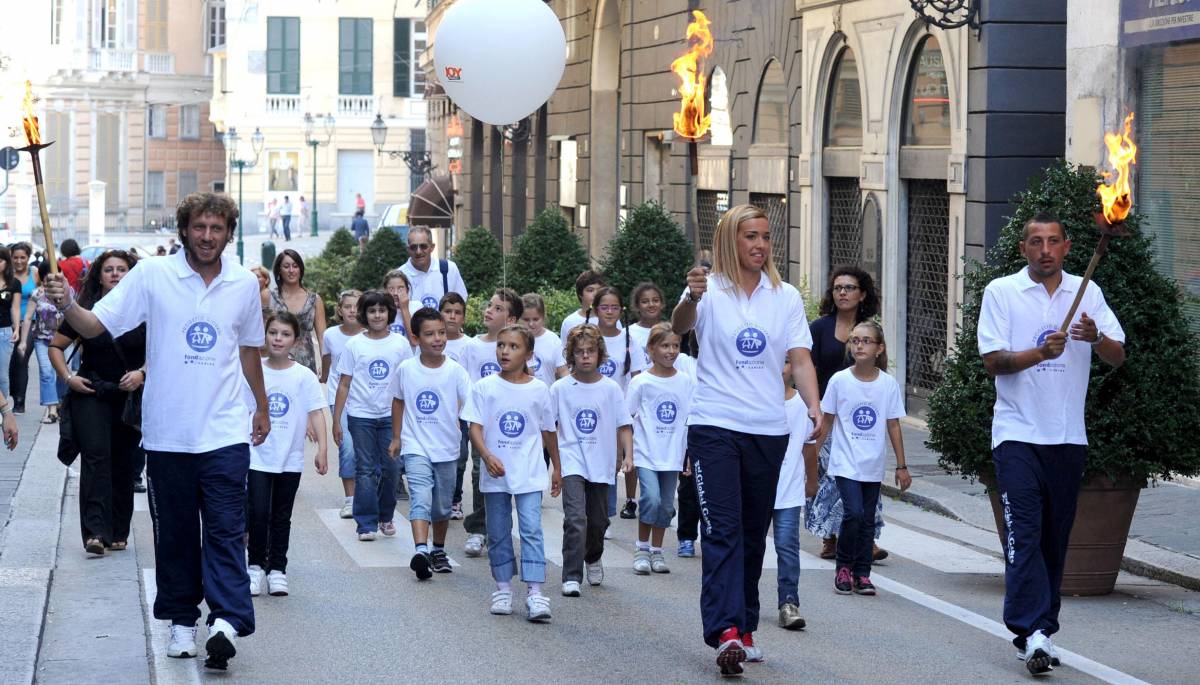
(454, 310)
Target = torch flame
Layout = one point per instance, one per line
(690, 120)
(1117, 197)
(31, 121)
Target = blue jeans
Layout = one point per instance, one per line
(346, 450)
(47, 380)
(499, 533)
(785, 524)
(429, 487)
(375, 472)
(656, 503)
(6, 352)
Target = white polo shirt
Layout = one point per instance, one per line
(744, 342)
(426, 286)
(193, 399)
(1043, 404)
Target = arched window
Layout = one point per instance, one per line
(721, 128)
(843, 121)
(770, 113)
(927, 100)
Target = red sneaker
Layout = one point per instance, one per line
(730, 653)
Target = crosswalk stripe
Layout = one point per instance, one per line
(384, 552)
(940, 555)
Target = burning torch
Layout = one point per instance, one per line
(34, 137)
(1116, 201)
(691, 122)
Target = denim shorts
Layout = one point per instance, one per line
(656, 497)
(430, 487)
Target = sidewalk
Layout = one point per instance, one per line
(1163, 541)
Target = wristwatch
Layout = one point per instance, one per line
(1099, 339)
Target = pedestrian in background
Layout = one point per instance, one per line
(10, 324)
(361, 230)
(290, 295)
(285, 213)
(72, 264)
(302, 205)
(332, 346)
(41, 322)
(273, 217)
(18, 368)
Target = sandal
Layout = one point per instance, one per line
(119, 546)
(50, 418)
(94, 546)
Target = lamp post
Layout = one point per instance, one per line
(231, 148)
(418, 161)
(309, 124)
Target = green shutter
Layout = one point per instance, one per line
(401, 58)
(354, 57)
(283, 55)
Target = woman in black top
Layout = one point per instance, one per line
(109, 371)
(10, 321)
(850, 299)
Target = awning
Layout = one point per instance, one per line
(432, 203)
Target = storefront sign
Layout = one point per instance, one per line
(1146, 22)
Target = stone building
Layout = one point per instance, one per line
(867, 135)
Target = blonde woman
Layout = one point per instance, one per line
(748, 322)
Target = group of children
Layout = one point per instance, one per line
(407, 389)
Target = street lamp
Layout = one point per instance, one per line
(309, 122)
(419, 162)
(231, 148)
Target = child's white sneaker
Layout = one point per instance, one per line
(347, 511)
(368, 536)
(474, 545)
(502, 602)
(221, 645)
(641, 562)
(256, 580)
(537, 608)
(183, 642)
(277, 584)
(658, 563)
(571, 588)
(595, 573)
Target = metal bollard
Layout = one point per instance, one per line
(268, 254)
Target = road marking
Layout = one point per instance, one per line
(167, 671)
(384, 552)
(937, 554)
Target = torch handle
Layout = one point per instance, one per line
(1101, 248)
(47, 234)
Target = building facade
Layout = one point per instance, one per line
(339, 65)
(867, 135)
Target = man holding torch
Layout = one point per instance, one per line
(204, 329)
(1039, 443)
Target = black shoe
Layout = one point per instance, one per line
(629, 511)
(420, 564)
(441, 562)
(18, 406)
(139, 485)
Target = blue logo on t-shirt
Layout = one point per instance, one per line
(608, 368)
(586, 421)
(201, 336)
(488, 368)
(427, 402)
(863, 417)
(429, 301)
(1041, 339)
(751, 341)
(278, 404)
(378, 369)
(397, 328)
(512, 423)
(535, 364)
(666, 412)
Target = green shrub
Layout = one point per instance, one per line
(559, 303)
(384, 252)
(479, 260)
(547, 255)
(327, 276)
(649, 247)
(1140, 418)
(341, 244)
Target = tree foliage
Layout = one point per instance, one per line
(547, 255)
(479, 260)
(384, 252)
(649, 247)
(341, 244)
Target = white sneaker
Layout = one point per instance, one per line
(256, 580)
(183, 642)
(388, 528)
(474, 546)
(1054, 660)
(571, 588)
(221, 645)
(608, 533)
(368, 536)
(502, 602)
(658, 563)
(1037, 653)
(347, 511)
(537, 608)
(595, 573)
(277, 584)
(641, 562)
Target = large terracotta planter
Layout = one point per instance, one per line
(1102, 519)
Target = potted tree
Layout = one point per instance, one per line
(1140, 418)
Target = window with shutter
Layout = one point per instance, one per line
(354, 56)
(283, 55)
(402, 58)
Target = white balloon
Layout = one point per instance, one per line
(499, 60)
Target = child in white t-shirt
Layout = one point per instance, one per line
(296, 405)
(659, 401)
(454, 310)
(794, 475)
(858, 403)
(430, 391)
(594, 440)
(646, 303)
(547, 346)
(396, 284)
(586, 286)
(333, 343)
(365, 394)
(511, 418)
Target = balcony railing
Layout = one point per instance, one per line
(356, 105)
(283, 104)
(160, 63)
(112, 60)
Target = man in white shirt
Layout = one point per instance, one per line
(285, 213)
(203, 334)
(429, 284)
(1039, 442)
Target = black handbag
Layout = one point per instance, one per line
(68, 449)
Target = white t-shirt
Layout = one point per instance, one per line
(426, 286)
(790, 491)
(371, 365)
(574, 319)
(589, 415)
(291, 394)
(1042, 405)
(639, 336)
(744, 342)
(193, 400)
(513, 416)
(457, 349)
(687, 364)
(615, 364)
(397, 325)
(547, 357)
(334, 343)
(479, 359)
(432, 400)
(660, 408)
(860, 430)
